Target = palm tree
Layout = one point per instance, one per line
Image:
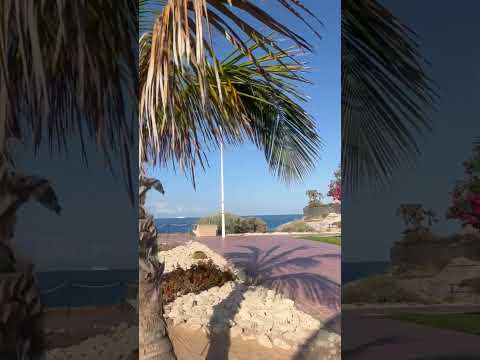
(190, 100)
(55, 82)
(21, 328)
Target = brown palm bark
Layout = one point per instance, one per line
(154, 342)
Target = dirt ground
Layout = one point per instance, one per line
(66, 327)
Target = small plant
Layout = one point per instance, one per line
(199, 277)
(199, 255)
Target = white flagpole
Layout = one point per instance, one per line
(221, 191)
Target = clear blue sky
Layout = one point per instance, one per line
(249, 187)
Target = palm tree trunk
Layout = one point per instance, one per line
(20, 304)
(154, 342)
(21, 310)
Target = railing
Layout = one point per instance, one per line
(68, 286)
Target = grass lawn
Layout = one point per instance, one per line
(467, 322)
(335, 240)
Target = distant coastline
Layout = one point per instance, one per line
(184, 224)
(354, 270)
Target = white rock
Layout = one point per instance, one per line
(281, 344)
(248, 336)
(194, 321)
(264, 340)
(322, 343)
(236, 331)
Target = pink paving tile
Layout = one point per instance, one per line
(306, 271)
(369, 338)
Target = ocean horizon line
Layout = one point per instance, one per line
(90, 268)
(199, 216)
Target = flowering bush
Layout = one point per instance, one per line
(335, 187)
(466, 194)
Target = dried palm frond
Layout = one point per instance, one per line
(180, 45)
(69, 68)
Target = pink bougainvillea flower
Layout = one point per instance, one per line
(470, 219)
(475, 209)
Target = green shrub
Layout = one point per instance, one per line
(235, 224)
(199, 277)
(250, 225)
(296, 226)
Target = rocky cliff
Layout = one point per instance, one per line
(320, 211)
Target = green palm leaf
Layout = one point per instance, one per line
(385, 92)
(243, 106)
(180, 45)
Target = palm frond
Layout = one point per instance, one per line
(181, 38)
(385, 94)
(70, 68)
(243, 106)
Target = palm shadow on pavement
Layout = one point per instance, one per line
(261, 268)
(307, 288)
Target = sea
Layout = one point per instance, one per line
(184, 224)
(356, 270)
(76, 288)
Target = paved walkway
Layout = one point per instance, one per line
(308, 272)
(371, 338)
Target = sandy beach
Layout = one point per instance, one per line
(66, 327)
